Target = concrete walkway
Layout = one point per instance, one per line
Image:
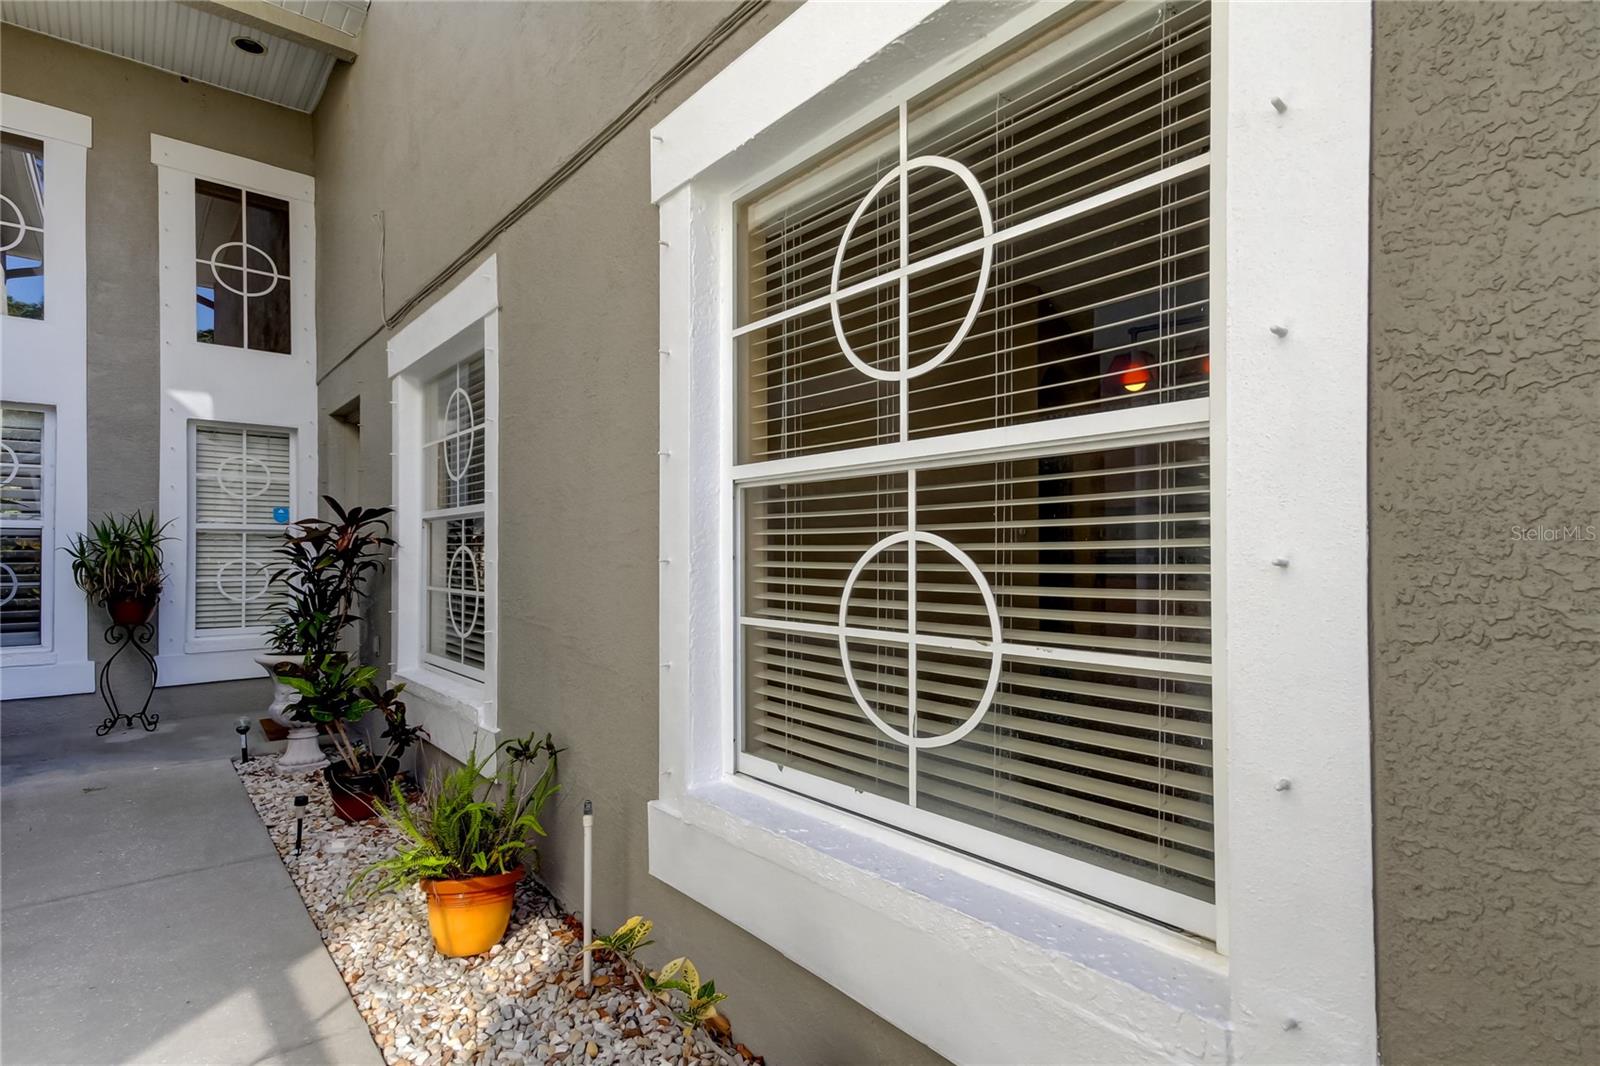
(144, 915)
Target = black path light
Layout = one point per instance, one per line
(242, 727)
(299, 820)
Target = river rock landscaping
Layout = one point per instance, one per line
(523, 1002)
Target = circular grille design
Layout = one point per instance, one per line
(246, 571)
(984, 215)
(270, 275)
(238, 487)
(8, 459)
(7, 203)
(463, 567)
(459, 448)
(996, 634)
(9, 584)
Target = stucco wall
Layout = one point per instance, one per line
(512, 91)
(1486, 638)
(128, 103)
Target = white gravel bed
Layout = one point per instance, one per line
(521, 1003)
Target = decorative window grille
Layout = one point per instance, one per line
(973, 471)
(241, 290)
(243, 485)
(25, 520)
(454, 460)
(22, 224)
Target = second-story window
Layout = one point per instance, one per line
(22, 224)
(241, 268)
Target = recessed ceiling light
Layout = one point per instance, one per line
(249, 44)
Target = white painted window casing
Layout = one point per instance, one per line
(43, 385)
(444, 376)
(243, 502)
(237, 244)
(1225, 449)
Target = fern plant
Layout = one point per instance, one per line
(459, 829)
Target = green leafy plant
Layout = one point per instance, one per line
(335, 691)
(459, 828)
(677, 984)
(119, 558)
(325, 567)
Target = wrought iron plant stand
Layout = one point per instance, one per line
(125, 635)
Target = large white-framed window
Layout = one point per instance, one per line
(43, 385)
(27, 527)
(444, 376)
(237, 259)
(243, 498)
(1004, 628)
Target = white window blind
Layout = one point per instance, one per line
(241, 478)
(454, 461)
(25, 517)
(1006, 647)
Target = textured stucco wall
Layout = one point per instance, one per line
(511, 91)
(128, 103)
(1486, 639)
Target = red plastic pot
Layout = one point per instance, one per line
(353, 794)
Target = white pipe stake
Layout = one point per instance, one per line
(588, 870)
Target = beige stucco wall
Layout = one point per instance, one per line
(511, 91)
(128, 103)
(1486, 421)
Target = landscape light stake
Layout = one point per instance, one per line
(299, 820)
(588, 869)
(242, 727)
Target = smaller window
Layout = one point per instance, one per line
(24, 525)
(22, 224)
(243, 490)
(453, 465)
(241, 268)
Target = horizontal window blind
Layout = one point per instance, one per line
(455, 461)
(241, 478)
(1009, 652)
(24, 524)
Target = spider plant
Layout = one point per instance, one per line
(119, 558)
(459, 829)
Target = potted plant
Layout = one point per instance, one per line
(335, 692)
(118, 563)
(466, 842)
(326, 565)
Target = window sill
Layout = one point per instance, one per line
(455, 711)
(930, 939)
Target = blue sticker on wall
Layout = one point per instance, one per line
(280, 515)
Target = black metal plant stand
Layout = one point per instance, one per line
(125, 636)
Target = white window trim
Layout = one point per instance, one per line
(889, 918)
(459, 712)
(216, 383)
(44, 364)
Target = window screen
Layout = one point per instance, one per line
(25, 515)
(22, 224)
(454, 462)
(241, 268)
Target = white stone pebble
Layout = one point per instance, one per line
(521, 1003)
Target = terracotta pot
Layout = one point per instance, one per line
(353, 794)
(469, 916)
(130, 612)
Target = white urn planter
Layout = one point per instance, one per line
(302, 754)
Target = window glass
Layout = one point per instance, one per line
(1016, 642)
(454, 462)
(242, 296)
(243, 489)
(22, 224)
(24, 517)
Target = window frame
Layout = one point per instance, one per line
(457, 708)
(239, 637)
(900, 910)
(43, 363)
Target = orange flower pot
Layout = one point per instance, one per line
(468, 917)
